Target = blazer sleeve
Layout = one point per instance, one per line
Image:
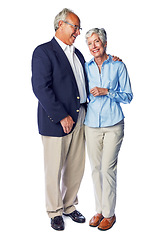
(42, 78)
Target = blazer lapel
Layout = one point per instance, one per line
(66, 65)
(62, 58)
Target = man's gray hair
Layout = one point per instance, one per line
(100, 32)
(61, 17)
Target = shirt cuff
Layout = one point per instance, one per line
(111, 93)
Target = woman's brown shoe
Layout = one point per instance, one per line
(107, 223)
(96, 219)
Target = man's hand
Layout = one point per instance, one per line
(67, 124)
(96, 91)
(116, 59)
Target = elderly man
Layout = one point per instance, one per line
(59, 83)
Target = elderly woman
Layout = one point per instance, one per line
(109, 85)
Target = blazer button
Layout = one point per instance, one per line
(78, 97)
(77, 110)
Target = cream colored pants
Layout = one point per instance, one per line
(64, 160)
(103, 145)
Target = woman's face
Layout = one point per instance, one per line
(96, 47)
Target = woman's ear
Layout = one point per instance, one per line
(105, 45)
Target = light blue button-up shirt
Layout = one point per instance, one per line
(105, 111)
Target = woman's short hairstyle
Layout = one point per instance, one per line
(61, 17)
(100, 32)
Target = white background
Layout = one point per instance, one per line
(133, 35)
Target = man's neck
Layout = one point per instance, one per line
(60, 37)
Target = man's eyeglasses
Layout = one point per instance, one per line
(75, 26)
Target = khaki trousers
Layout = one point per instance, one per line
(103, 145)
(64, 160)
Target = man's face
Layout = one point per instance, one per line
(69, 33)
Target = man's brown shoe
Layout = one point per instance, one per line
(107, 223)
(96, 219)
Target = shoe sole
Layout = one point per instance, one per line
(93, 226)
(58, 229)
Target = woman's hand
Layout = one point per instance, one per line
(96, 91)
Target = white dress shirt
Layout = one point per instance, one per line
(76, 67)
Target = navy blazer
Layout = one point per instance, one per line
(55, 87)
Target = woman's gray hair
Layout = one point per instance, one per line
(100, 32)
(61, 17)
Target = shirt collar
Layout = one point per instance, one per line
(108, 60)
(65, 46)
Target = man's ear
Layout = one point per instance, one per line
(60, 23)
